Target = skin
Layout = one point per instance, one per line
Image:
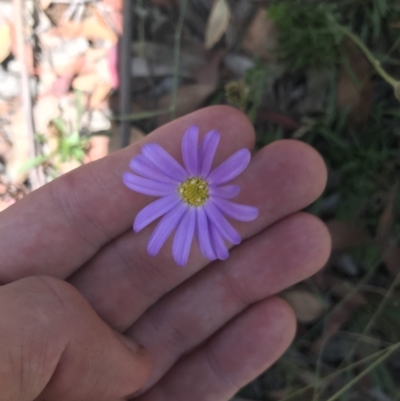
(86, 314)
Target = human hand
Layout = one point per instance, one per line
(207, 329)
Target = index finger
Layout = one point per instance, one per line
(56, 229)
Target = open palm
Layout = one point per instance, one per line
(209, 328)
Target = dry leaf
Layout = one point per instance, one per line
(99, 94)
(86, 83)
(94, 28)
(72, 67)
(67, 30)
(355, 95)
(306, 305)
(5, 42)
(68, 166)
(261, 36)
(98, 148)
(45, 110)
(115, 4)
(45, 4)
(346, 235)
(217, 23)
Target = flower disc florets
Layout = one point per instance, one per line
(194, 191)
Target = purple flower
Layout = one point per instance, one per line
(193, 199)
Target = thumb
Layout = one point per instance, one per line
(53, 346)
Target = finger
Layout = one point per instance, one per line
(284, 254)
(54, 346)
(242, 350)
(281, 179)
(67, 221)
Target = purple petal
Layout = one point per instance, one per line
(203, 235)
(225, 192)
(147, 187)
(235, 210)
(221, 223)
(230, 168)
(164, 162)
(219, 245)
(184, 236)
(164, 228)
(207, 152)
(140, 165)
(190, 151)
(155, 210)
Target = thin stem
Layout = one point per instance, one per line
(177, 51)
(375, 63)
(142, 116)
(340, 371)
(364, 372)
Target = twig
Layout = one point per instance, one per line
(36, 176)
(374, 62)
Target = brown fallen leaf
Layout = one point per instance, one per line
(346, 235)
(217, 23)
(44, 4)
(67, 30)
(86, 82)
(306, 305)
(45, 110)
(95, 28)
(261, 36)
(115, 4)
(73, 67)
(5, 42)
(60, 86)
(66, 167)
(99, 94)
(355, 89)
(98, 148)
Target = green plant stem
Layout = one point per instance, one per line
(142, 116)
(374, 62)
(365, 372)
(177, 52)
(340, 371)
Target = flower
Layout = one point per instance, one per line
(194, 199)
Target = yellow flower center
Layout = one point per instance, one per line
(194, 191)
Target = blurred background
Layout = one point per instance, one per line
(80, 79)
